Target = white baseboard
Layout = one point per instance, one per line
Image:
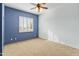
(61, 43)
(64, 44)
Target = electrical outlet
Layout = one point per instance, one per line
(11, 39)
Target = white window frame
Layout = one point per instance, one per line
(25, 24)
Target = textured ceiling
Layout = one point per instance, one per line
(27, 6)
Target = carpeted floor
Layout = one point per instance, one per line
(38, 47)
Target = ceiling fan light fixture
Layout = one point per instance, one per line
(39, 9)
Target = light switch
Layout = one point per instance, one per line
(15, 38)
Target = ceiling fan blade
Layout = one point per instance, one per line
(33, 4)
(44, 7)
(33, 8)
(43, 3)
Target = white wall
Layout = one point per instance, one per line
(61, 24)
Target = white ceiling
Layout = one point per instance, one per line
(27, 6)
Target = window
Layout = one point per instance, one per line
(25, 24)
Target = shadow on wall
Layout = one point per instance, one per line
(52, 36)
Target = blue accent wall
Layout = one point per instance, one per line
(0, 29)
(12, 25)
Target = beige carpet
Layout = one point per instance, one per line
(38, 47)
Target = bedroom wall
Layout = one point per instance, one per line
(61, 24)
(12, 25)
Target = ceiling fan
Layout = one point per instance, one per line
(39, 6)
